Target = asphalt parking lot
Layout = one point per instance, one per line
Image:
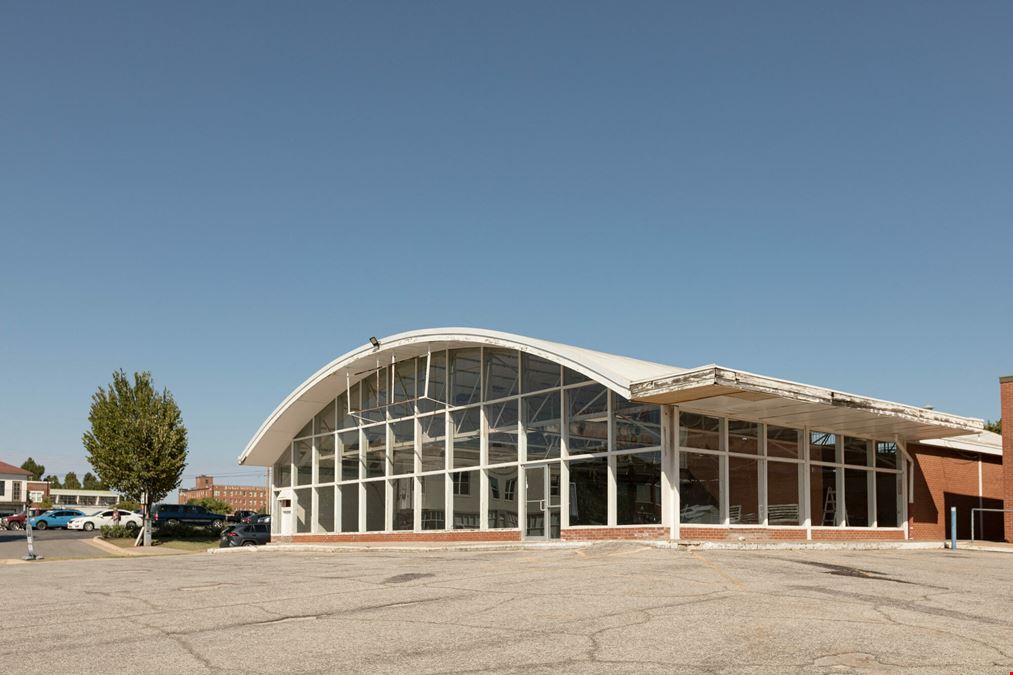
(51, 544)
(609, 608)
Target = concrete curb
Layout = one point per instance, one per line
(571, 545)
(138, 552)
(340, 548)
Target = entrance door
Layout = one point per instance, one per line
(542, 501)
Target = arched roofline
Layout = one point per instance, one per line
(613, 371)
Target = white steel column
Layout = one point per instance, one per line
(612, 500)
(670, 471)
(805, 503)
(483, 474)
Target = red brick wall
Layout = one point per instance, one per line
(842, 534)
(748, 534)
(374, 537)
(945, 478)
(1006, 398)
(653, 533)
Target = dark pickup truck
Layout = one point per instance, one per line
(187, 514)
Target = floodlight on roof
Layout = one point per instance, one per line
(373, 341)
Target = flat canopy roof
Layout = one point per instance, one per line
(724, 391)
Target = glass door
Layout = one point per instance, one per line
(542, 518)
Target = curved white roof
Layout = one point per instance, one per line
(611, 370)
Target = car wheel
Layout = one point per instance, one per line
(172, 521)
(248, 543)
(88, 527)
(131, 525)
(216, 523)
(42, 525)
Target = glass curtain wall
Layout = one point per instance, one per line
(739, 472)
(403, 451)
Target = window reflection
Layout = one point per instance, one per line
(700, 488)
(638, 488)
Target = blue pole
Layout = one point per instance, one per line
(953, 528)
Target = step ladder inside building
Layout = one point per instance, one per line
(830, 507)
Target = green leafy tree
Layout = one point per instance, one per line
(129, 505)
(213, 505)
(34, 468)
(137, 442)
(90, 482)
(54, 482)
(995, 427)
(70, 481)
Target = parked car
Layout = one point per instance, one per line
(17, 520)
(241, 516)
(89, 523)
(188, 514)
(55, 518)
(249, 534)
(263, 519)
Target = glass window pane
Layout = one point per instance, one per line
(349, 441)
(306, 430)
(466, 500)
(856, 497)
(503, 498)
(404, 381)
(383, 386)
(856, 451)
(467, 426)
(542, 425)
(376, 450)
(325, 509)
(404, 504)
(434, 442)
(587, 408)
(539, 373)
(699, 488)
(350, 507)
(638, 425)
(367, 387)
(376, 502)
(304, 510)
(886, 499)
(434, 499)
(303, 452)
(783, 442)
(743, 491)
(574, 377)
(325, 458)
(823, 501)
(782, 494)
(403, 446)
(465, 376)
(886, 454)
(638, 488)
(503, 437)
(356, 405)
(283, 469)
(589, 491)
(743, 437)
(324, 420)
(345, 419)
(822, 447)
(436, 395)
(699, 431)
(501, 373)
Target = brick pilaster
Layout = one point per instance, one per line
(1006, 397)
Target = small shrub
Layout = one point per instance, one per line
(117, 532)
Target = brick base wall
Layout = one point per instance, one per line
(858, 535)
(749, 534)
(653, 533)
(376, 537)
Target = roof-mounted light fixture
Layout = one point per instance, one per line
(373, 341)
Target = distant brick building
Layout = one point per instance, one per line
(241, 497)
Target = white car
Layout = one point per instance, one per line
(89, 523)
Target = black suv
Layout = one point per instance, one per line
(249, 534)
(188, 514)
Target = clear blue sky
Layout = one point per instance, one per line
(231, 194)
